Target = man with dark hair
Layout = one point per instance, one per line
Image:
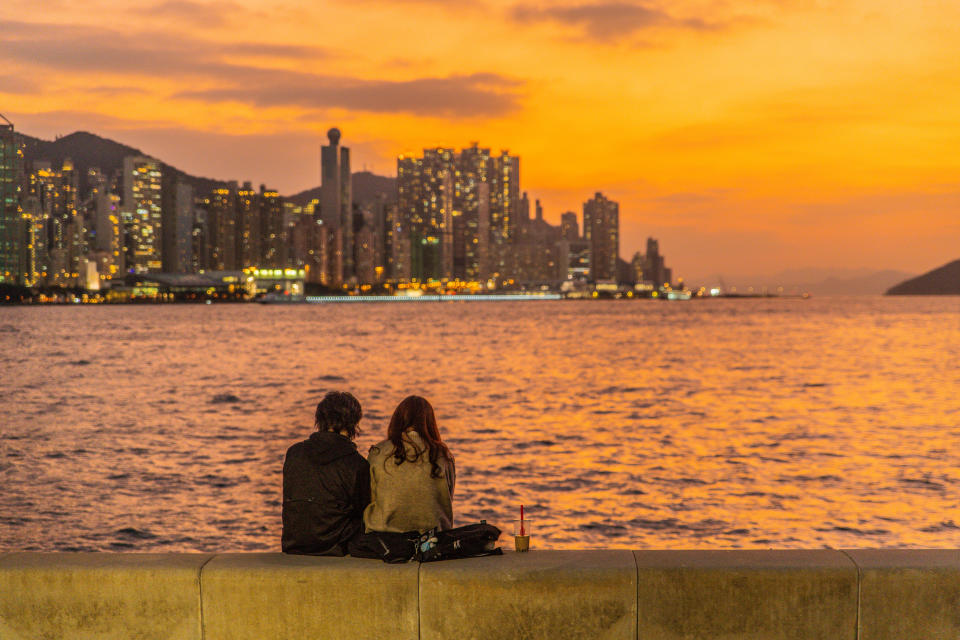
(326, 482)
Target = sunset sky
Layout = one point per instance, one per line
(749, 137)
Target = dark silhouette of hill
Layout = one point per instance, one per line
(944, 280)
(366, 187)
(89, 150)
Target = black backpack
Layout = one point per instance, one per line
(469, 541)
(388, 546)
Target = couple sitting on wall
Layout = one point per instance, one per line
(334, 501)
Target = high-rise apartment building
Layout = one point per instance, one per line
(36, 252)
(221, 228)
(505, 195)
(50, 203)
(569, 228)
(309, 249)
(248, 227)
(12, 235)
(397, 245)
(651, 268)
(178, 218)
(273, 231)
(108, 235)
(471, 212)
(365, 246)
(183, 220)
(143, 213)
(601, 226)
(425, 195)
(200, 252)
(460, 210)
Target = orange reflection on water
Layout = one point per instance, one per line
(709, 424)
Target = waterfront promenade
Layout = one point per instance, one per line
(650, 595)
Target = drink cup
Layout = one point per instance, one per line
(521, 535)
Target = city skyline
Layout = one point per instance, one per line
(748, 138)
(450, 221)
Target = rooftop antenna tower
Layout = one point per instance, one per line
(4, 118)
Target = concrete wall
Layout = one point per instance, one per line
(647, 595)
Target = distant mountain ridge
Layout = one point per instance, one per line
(366, 187)
(90, 150)
(87, 150)
(943, 280)
(817, 281)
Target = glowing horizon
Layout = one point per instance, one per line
(748, 137)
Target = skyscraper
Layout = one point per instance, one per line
(248, 227)
(177, 227)
(505, 195)
(36, 253)
(221, 239)
(183, 220)
(143, 212)
(601, 226)
(652, 267)
(425, 194)
(12, 235)
(459, 209)
(523, 214)
(473, 174)
(365, 245)
(569, 228)
(36, 201)
(504, 208)
(51, 205)
(273, 231)
(336, 208)
(309, 249)
(397, 245)
(108, 235)
(75, 229)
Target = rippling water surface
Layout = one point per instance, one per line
(718, 423)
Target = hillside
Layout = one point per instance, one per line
(944, 280)
(366, 187)
(90, 150)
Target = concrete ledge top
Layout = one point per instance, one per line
(534, 560)
(283, 562)
(511, 563)
(814, 559)
(33, 560)
(906, 558)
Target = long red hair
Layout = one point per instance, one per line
(416, 414)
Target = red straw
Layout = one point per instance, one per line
(521, 521)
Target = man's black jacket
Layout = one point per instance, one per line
(326, 487)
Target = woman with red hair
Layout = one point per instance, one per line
(411, 474)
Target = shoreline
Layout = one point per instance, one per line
(166, 299)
